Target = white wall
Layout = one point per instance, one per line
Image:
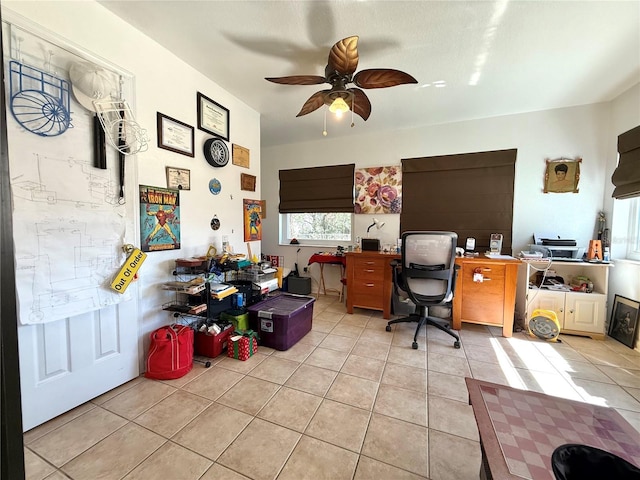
(163, 83)
(569, 132)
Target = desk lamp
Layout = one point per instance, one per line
(377, 223)
(372, 244)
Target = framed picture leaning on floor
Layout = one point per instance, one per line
(624, 320)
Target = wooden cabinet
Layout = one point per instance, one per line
(370, 281)
(486, 292)
(579, 313)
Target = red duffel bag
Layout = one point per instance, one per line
(170, 352)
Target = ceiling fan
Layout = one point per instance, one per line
(339, 72)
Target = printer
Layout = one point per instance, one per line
(557, 248)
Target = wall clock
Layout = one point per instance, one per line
(216, 152)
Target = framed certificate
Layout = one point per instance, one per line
(179, 178)
(175, 136)
(240, 156)
(213, 118)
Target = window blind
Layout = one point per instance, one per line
(470, 194)
(626, 176)
(317, 189)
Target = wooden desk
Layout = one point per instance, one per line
(490, 302)
(370, 281)
(520, 429)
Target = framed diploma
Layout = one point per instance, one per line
(175, 136)
(240, 156)
(213, 118)
(179, 178)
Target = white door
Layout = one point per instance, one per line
(585, 312)
(68, 362)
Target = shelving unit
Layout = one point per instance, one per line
(579, 313)
(191, 291)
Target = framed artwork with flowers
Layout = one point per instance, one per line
(378, 190)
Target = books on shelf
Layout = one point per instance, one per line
(184, 287)
(221, 290)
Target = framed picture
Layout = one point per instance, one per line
(179, 178)
(624, 320)
(562, 175)
(252, 219)
(378, 190)
(213, 118)
(248, 182)
(159, 218)
(240, 156)
(263, 203)
(175, 136)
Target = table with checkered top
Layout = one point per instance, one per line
(520, 429)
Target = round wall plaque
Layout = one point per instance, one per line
(215, 186)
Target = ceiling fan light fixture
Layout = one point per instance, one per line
(339, 106)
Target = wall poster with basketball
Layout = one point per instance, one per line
(252, 214)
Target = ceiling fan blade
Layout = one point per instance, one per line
(381, 78)
(298, 80)
(343, 56)
(361, 103)
(315, 102)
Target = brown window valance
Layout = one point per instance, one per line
(626, 176)
(470, 194)
(317, 189)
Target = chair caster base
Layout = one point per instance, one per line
(414, 345)
(388, 328)
(456, 344)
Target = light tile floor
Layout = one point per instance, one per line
(349, 401)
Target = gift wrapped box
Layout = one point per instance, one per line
(242, 345)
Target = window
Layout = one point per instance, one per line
(469, 193)
(316, 228)
(633, 234)
(316, 205)
(626, 179)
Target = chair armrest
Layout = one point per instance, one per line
(456, 267)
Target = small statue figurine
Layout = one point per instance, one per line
(601, 224)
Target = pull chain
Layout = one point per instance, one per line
(324, 132)
(353, 99)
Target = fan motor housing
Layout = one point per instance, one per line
(544, 324)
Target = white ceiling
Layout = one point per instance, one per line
(492, 57)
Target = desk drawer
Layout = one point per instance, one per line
(368, 295)
(370, 269)
(483, 301)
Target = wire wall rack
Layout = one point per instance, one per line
(39, 100)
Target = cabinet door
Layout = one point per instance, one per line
(585, 312)
(547, 300)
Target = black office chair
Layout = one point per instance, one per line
(427, 275)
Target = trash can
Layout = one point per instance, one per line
(581, 462)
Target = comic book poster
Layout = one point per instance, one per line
(252, 219)
(159, 218)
